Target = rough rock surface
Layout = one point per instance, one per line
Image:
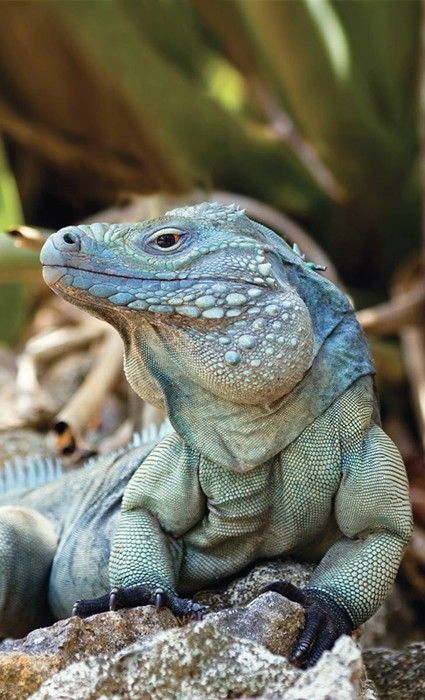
(202, 663)
(270, 620)
(398, 674)
(243, 590)
(237, 651)
(26, 663)
(339, 675)
(394, 625)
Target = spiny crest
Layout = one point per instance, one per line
(33, 471)
(29, 472)
(147, 437)
(212, 211)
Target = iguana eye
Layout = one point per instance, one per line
(166, 239)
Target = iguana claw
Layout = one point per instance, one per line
(113, 599)
(325, 621)
(133, 596)
(159, 598)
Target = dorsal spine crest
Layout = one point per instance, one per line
(212, 211)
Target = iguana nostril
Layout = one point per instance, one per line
(71, 238)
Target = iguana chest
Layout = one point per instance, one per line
(276, 507)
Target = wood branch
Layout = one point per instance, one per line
(28, 237)
(407, 308)
(410, 278)
(138, 208)
(388, 360)
(73, 419)
(282, 128)
(34, 405)
(413, 343)
(51, 345)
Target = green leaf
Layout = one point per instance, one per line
(15, 264)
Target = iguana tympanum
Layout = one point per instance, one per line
(276, 450)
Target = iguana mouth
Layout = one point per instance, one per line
(237, 280)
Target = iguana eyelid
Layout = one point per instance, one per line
(169, 230)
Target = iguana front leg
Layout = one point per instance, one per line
(144, 567)
(162, 501)
(354, 577)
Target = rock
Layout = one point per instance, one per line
(242, 590)
(338, 674)
(398, 674)
(394, 625)
(270, 620)
(144, 654)
(200, 662)
(26, 663)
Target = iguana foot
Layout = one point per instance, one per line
(133, 596)
(325, 621)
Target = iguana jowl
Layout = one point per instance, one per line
(277, 449)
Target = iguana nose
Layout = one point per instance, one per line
(68, 239)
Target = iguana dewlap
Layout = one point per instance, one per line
(267, 381)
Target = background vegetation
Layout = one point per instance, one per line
(311, 106)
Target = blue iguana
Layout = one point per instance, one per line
(276, 450)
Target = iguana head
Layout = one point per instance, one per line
(206, 287)
(217, 313)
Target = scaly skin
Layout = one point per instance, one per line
(266, 378)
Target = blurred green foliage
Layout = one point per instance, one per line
(99, 99)
(15, 264)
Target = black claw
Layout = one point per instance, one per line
(84, 608)
(160, 598)
(133, 596)
(113, 599)
(315, 620)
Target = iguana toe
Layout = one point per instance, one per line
(85, 608)
(134, 596)
(160, 598)
(325, 621)
(185, 607)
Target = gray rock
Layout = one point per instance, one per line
(394, 625)
(26, 663)
(398, 674)
(339, 674)
(270, 620)
(144, 654)
(200, 662)
(242, 590)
